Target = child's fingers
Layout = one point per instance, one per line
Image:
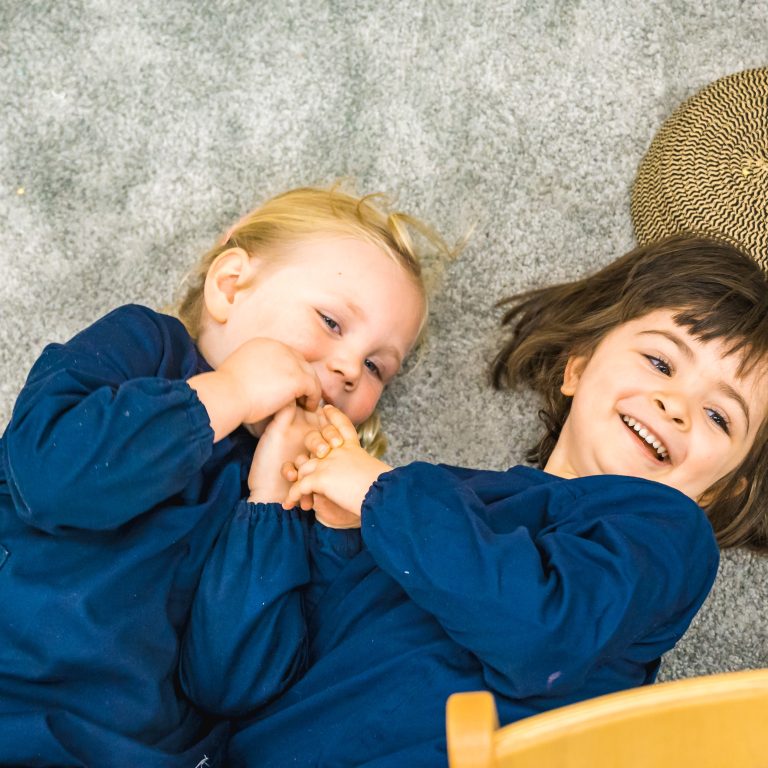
(292, 498)
(307, 501)
(299, 491)
(332, 436)
(281, 420)
(312, 392)
(284, 417)
(316, 444)
(339, 420)
(307, 468)
(289, 472)
(310, 401)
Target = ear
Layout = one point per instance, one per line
(572, 374)
(229, 273)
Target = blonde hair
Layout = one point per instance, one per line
(308, 211)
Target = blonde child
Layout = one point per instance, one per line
(130, 445)
(545, 585)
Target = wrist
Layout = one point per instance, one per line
(219, 394)
(382, 467)
(376, 469)
(367, 477)
(257, 497)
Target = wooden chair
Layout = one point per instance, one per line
(718, 721)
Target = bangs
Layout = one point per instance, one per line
(742, 330)
(715, 292)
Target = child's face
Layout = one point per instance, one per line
(651, 379)
(344, 304)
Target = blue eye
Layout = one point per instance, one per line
(661, 365)
(372, 367)
(331, 323)
(718, 419)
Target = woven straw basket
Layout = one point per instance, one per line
(706, 171)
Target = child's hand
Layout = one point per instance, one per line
(254, 382)
(319, 437)
(326, 512)
(268, 375)
(282, 438)
(343, 475)
(319, 442)
(332, 515)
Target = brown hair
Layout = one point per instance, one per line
(715, 291)
(308, 211)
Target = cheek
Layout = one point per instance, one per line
(308, 341)
(364, 401)
(281, 322)
(310, 345)
(713, 462)
(256, 324)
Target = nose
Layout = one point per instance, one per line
(347, 366)
(674, 407)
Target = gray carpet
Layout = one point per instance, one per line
(132, 133)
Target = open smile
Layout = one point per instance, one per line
(654, 446)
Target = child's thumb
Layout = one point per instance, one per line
(284, 417)
(342, 423)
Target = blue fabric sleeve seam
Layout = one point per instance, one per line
(26, 512)
(370, 498)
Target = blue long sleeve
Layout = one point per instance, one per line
(330, 551)
(246, 639)
(545, 591)
(251, 624)
(112, 494)
(99, 434)
(546, 587)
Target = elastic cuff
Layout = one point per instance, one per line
(260, 509)
(374, 493)
(343, 542)
(199, 422)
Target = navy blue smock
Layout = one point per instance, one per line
(543, 590)
(111, 495)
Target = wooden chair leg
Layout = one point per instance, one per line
(471, 722)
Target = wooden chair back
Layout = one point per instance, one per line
(717, 721)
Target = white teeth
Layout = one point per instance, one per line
(646, 435)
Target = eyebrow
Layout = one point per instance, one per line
(688, 353)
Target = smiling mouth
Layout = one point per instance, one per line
(655, 447)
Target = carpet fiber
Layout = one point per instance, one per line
(132, 134)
